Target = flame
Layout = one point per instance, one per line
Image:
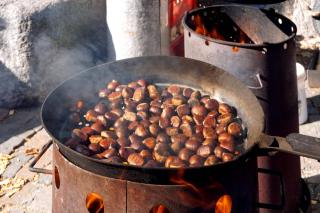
(211, 196)
(94, 203)
(224, 204)
(200, 28)
(159, 209)
(216, 32)
(242, 38)
(235, 49)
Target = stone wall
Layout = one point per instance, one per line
(302, 13)
(44, 42)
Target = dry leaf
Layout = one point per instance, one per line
(4, 162)
(32, 151)
(10, 186)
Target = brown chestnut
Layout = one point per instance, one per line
(167, 112)
(172, 131)
(162, 138)
(234, 129)
(187, 92)
(227, 157)
(130, 116)
(174, 90)
(95, 138)
(199, 110)
(175, 121)
(146, 154)
(183, 110)
(91, 116)
(141, 131)
(225, 119)
(204, 151)
(135, 159)
(114, 96)
(139, 94)
(211, 160)
(178, 100)
(123, 141)
(77, 133)
(186, 129)
(195, 95)
(196, 161)
(149, 142)
(192, 144)
(211, 104)
(185, 154)
(109, 153)
(176, 147)
(94, 148)
(224, 108)
(142, 107)
(218, 151)
(164, 122)
(112, 85)
(100, 108)
(127, 92)
(153, 92)
(209, 122)
(108, 134)
(97, 127)
(179, 138)
(111, 116)
(104, 92)
(154, 129)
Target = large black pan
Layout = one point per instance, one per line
(165, 70)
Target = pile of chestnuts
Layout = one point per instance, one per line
(144, 125)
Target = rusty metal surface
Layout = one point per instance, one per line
(76, 184)
(121, 196)
(240, 183)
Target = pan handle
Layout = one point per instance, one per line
(294, 143)
(36, 159)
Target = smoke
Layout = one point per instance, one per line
(55, 63)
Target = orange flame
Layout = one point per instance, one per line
(217, 32)
(201, 29)
(211, 196)
(94, 203)
(224, 204)
(159, 209)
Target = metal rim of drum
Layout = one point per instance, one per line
(235, 44)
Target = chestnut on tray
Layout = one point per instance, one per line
(141, 124)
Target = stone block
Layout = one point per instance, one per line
(44, 42)
(16, 164)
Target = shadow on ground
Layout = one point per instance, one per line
(21, 121)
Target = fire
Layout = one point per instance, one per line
(209, 197)
(216, 30)
(159, 209)
(224, 204)
(94, 203)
